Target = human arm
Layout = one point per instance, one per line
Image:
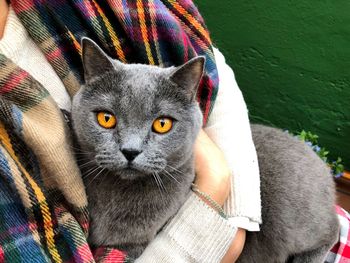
(214, 170)
(206, 152)
(197, 233)
(228, 126)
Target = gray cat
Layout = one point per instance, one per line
(136, 126)
(298, 197)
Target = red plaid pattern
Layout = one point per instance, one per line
(340, 253)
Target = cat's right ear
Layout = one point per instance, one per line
(95, 61)
(189, 75)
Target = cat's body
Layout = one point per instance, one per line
(137, 178)
(298, 197)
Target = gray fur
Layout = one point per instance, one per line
(298, 197)
(129, 206)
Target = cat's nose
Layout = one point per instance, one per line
(130, 154)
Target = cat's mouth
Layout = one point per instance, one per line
(130, 167)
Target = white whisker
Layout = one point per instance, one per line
(86, 164)
(172, 177)
(90, 172)
(156, 178)
(96, 176)
(161, 182)
(176, 170)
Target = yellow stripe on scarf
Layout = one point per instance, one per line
(152, 11)
(111, 33)
(49, 233)
(191, 19)
(143, 28)
(76, 44)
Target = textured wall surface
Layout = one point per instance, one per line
(292, 62)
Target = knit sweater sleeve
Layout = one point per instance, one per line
(197, 233)
(228, 126)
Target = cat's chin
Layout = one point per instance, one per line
(131, 174)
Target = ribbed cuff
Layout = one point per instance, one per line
(200, 231)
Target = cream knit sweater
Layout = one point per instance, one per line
(17, 46)
(197, 233)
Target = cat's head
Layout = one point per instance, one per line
(136, 119)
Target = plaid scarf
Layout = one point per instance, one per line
(43, 214)
(160, 32)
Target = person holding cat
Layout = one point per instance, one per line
(44, 215)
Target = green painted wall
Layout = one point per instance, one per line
(292, 62)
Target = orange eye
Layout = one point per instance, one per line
(106, 120)
(162, 125)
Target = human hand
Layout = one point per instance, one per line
(212, 172)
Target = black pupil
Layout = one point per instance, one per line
(107, 117)
(162, 123)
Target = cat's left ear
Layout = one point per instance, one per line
(95, 61)
(189, 75)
